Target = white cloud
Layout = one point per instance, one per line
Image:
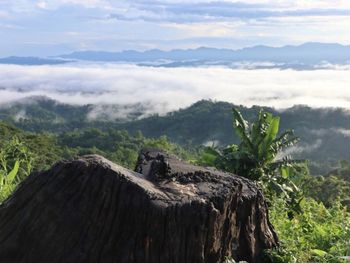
(219, 29)
(21, 115)
(42, 5)
(54, 4)
(101, 4)
(336, 4)
(168, 89)
(3, 14)
(301, 149)
(344, 132)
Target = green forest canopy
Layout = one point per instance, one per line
(320, 233)
(324, 133)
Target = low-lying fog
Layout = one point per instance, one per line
(168, 89)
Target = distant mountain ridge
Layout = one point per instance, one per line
(311, 55)
(32, 61)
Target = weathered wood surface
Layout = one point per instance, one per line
(90, 210)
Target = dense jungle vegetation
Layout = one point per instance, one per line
(324, 133)
(310, 213)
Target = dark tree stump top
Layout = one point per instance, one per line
(184, 182)
(92, 210)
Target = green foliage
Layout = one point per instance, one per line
(15, 154)
(343, 172)
(327, 189)
(15, 164)
(118, 146)
(316, 235)
(43, 146)
(203, 122)
(7, 181)
(256, 156)
(319, 234)
(21, 152)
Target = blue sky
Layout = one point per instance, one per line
(44, 28)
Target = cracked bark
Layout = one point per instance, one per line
(92, 210)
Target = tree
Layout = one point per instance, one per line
(259, 156)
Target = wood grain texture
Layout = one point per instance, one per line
(90, 210)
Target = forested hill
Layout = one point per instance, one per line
(324, 133)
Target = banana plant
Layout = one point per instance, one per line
(257, 156)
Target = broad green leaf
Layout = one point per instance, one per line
(2, 178)
(265, 150)
(319, 252)
(285, 171)
(241, 128)
(258, 129)
(13, 173)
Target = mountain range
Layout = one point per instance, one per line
(306, 56)
(31, 61)
(324, 133)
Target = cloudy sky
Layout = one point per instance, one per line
(50, 27)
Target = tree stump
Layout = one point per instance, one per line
(92, 210)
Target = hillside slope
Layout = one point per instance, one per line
(324, 133)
